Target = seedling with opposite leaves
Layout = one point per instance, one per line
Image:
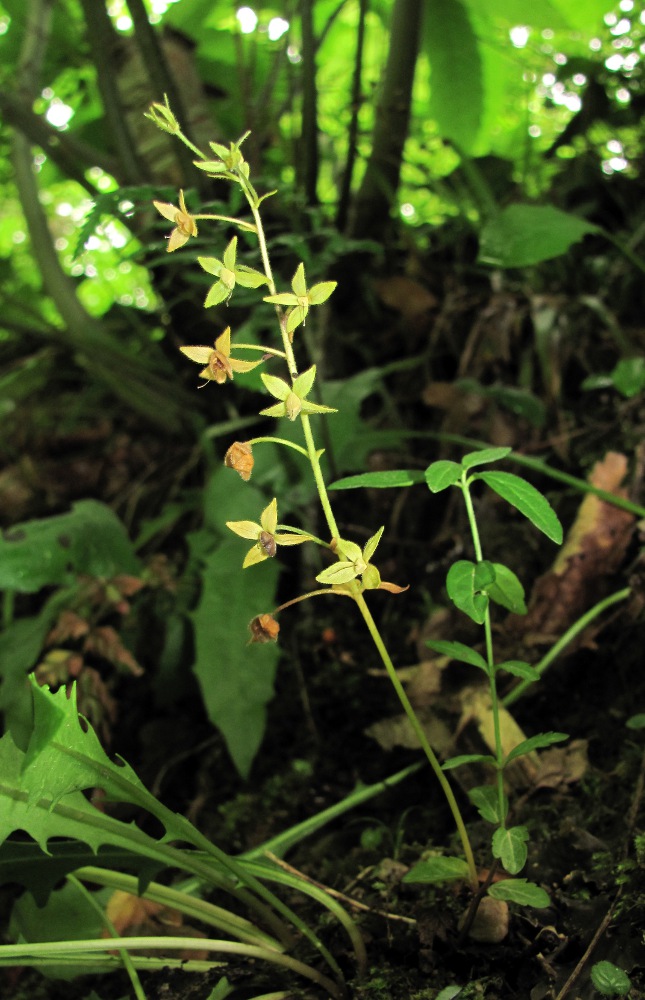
(472, 586)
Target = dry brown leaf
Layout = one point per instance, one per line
(132, 916)
(476, 707)
(406, 296)
(397, 732)
(594, 548)
(560, 766)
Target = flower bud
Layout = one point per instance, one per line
(264, 628)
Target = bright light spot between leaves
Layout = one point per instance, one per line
(548, 79)
(519, 36)
(595, 45)
(616, 164)
(4, 24)
(535, 131)
(622, 27)
(407, 210)
(614, 63)
(579, 79)
(123, 23)
(277, 28)
(614, 146)
(293, 55)
(19, 236)
(59, 114)
(247, 20)
(560, 59)
(623, 96)
(626, 5)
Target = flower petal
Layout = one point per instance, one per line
(245, 529)
(176, 239)
(243, 366)
(199, 354)
(223, 342)
(253, 556)
(168, 211)
(269, 517)
(282, 538)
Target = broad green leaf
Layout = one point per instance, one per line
(24, 863)
(459, 651)
(248, 277)
(518, 668)
(629, 376)
(439, 869)
(535, 743)
(51, 551)
(529, 501)
(519, 890)
(68, 915)
(506, 590)
(509, 846)
(636, 721)
(468, 758)
(456, 91)
(522, 235)
(379, 480)
(484, 457)
(440, 475)
(486, 801)
(610, 980)
(236, 680)
(460, 584)
(211, 265)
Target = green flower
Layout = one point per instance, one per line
(185, 225)
(292, 397)
(230, 274)
(355, 562)
(219, 363)
(301, 298)
(265, 535)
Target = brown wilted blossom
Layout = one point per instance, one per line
(264, 628)
(240, 458)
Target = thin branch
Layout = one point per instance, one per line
(352, 132)
(103, 42)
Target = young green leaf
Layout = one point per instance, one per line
(519, 890)
(468, 758)
(459, 651)
(449, 993)
(506, 590)
(460, 584)
(527, 500)
(534, 743)
(486, 801)
(440, 475)
(509, 846)
(438, 869)
(484, 575)
(610, 980)
(379, 480)
(484, 456)
(518, 668)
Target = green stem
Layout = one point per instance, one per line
(490, 657)
(321, 486)
(183, 901)
(22, 953)
(421, 736)
(278, 440)
(128, 964)
(565, 639)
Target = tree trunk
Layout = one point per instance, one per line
(376, 196)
